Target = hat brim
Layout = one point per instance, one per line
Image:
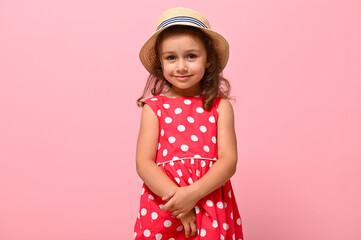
(148, 57)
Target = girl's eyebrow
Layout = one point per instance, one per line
(172, 52)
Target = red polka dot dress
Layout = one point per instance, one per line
(187, 149)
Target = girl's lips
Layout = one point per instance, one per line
(183, 77)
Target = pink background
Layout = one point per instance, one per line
(69, 78)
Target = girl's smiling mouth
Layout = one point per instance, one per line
(183, 77)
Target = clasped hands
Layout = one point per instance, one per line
(180, 202)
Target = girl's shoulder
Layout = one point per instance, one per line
(225, 108)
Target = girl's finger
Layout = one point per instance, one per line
(168, 196)
(187, 229)
(168, 206)
(175, 213)
(193, 228)
(180, 215)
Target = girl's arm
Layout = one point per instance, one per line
(154, 177)
(180, 201)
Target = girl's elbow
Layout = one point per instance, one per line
(139, 168)
(233, 168)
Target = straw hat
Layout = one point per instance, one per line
(187, 17)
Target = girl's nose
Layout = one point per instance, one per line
(182, 66)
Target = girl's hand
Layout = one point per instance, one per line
(180, 202)
(189, 222)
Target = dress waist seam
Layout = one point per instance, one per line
(187, 158)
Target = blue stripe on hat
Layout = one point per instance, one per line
(181, 19)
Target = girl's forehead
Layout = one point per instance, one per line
(187, 39)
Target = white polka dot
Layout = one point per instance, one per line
(167, 223)
(239, 221)
(206, 148)
(166, 106)
(143, 191)
(198, 173)
(171, 139)
(197, 156)
(168, 120)
(171, 239)
(175, 158)
(165, 152)
(192, 161)
(203, 129)
(146, 233)
(177, 110)
(180, 228)
(232, 215)
(199, 110)
(194, 138)
(209, 203)
(179, 172)
(138, 215)
(184, 148)
(171, 163)
(210, 164)
(159, 113)
(214, 140)
(158, 146)
(143, 211)
(190, 180)
(187, 101)
(162, 132)
(222, 237)
(150, 196)
(177, 180)
(190, 119)
(161, 205)
(225, 226)
(158, 236)
(225, 204)
(230, 194)
(234, 236)
(203, 163)
(154, 215)
(203, 232)
(197, 209)
(181, 128)
(153, 99)
(220, 205)
(135, 234)
(190, 171)
(212, 119)
(215, 224)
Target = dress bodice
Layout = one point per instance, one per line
(186, 129)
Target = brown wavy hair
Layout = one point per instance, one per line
(213, 84)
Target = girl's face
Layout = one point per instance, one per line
(183, 60)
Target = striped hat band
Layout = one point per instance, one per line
(181, 19)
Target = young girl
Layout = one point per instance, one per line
(186, 150)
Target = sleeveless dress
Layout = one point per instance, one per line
(187, 148)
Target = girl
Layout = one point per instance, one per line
(186, 150)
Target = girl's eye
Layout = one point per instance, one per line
(171, 58)
(192, 56)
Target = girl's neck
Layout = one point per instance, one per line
(177, 92)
